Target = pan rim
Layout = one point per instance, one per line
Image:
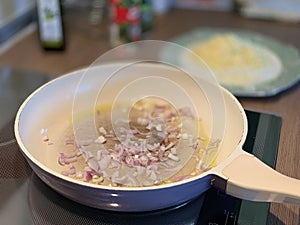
(42, 166)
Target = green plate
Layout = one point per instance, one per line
(286, 54)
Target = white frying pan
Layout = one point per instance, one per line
(237, 173)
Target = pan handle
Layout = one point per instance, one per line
(251, 179)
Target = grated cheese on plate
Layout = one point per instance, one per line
(236, 61)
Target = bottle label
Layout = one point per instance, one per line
(50, 20)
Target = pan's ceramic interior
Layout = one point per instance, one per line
(50, 108)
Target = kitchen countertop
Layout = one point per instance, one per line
(86, 42)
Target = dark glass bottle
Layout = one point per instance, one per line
(50, 22)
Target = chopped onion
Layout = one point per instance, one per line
(69, 172)
(101, 140)
(102, 130)
(173, 157)
(64, 159)
(143, 153)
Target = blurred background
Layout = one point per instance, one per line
(91, 27)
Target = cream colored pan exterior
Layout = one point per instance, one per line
(238, 173)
